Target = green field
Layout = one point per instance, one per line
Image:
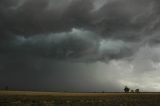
(28, 98)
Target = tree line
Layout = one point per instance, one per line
(127, 90)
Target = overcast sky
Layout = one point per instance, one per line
(80, 45)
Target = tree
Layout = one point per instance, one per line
(126, 89)
(137, 91)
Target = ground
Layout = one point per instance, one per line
(29, 98)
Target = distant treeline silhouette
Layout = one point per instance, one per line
(127, 90)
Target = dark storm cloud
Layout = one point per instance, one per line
(34, 18)
(129, 20)
(76, 46)
(117, 19)
(39, 39)
(37, 17)
(126, 21)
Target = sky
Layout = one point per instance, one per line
(80, 45)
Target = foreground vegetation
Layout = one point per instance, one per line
(13, 98)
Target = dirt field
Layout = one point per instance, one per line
(28, 98)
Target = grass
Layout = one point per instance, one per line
(26, 98)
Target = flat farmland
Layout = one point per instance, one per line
(29, 98)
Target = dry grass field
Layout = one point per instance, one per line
(28, 98)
